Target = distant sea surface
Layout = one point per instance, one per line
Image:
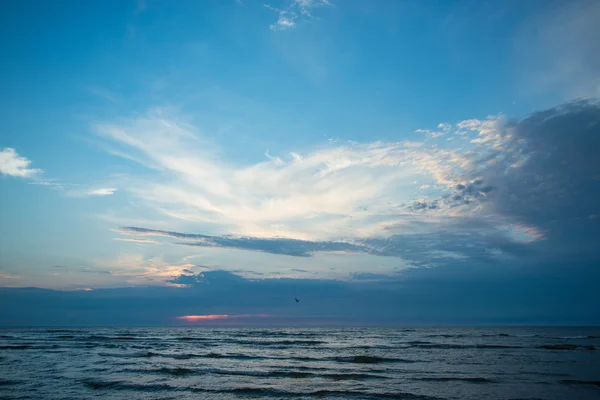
(299, 363)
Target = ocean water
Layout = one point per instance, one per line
(299, 363)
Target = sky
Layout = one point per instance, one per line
(386, 162)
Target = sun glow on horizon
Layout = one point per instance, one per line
(213, 317)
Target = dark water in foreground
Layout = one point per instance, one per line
(369, 363)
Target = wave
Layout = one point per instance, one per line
(358, 359)
(191, 339)
(177, 371)
(181, 371)
(456, 378)
(573, 337)
(531, 335)
(126, 333)
(131, 337)
(278, 342)
(449, 346)
(100, 384)
(419, 344)
(141, 354)
(361, 359)
(566, 346)
(102, 337)
(16, 347)
(528, 398)
(234, 356)
(279, 334)
(518, 335)
(268, 392)
(578, 382)
(363, 395)
(367, 347)
(449, 336)
(182, 356)
(496, 346)
(368, 359)
(300, 375)
(8, 382)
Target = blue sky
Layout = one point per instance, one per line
(358, 145)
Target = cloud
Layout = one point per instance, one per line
(423, 204)
(102, 192)
(453, 240)
(104, 94)
(368, 276)
(95, 271)
(457, 294)
(540, 172)
(318, 195)
(138, 240)
(290, 247)
(510, 188)
(12, 164)
(218, 277)
(296, 11)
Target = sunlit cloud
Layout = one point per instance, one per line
(102, 192)
(318, 195)
(12, 164)
(137, 240)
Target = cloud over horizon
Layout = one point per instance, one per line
(506, 187)
(420, 297)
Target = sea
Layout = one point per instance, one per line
(300, 363)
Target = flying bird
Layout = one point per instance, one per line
(297, 300)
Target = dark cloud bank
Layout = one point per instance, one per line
(542, 173)
(450, 296)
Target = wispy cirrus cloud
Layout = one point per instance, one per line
(296, 11)
(316, 195)
(12, 164)
(7, 276)
(102, 192)
(137, 240)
